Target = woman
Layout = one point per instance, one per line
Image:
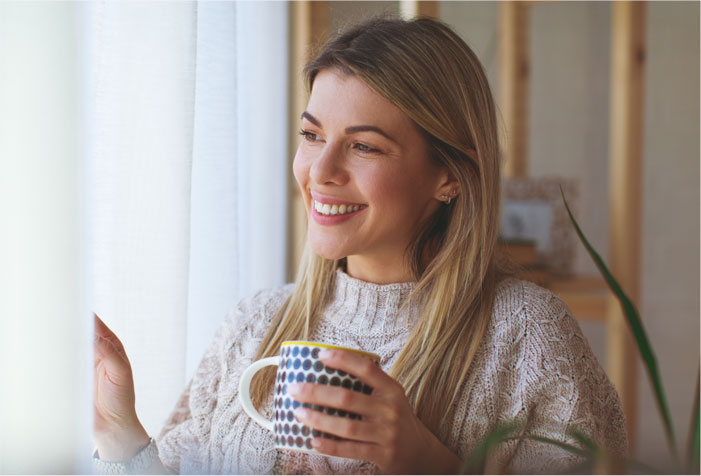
(399, 172)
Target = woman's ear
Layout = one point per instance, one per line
(448, 187)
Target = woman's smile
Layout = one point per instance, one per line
(332, 211)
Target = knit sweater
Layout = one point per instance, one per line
(533, 365)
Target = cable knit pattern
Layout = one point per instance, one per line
(534, 365)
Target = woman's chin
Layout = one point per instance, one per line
(326, 250)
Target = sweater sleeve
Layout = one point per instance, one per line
(557, 386)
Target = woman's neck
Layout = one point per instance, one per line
(378, 271)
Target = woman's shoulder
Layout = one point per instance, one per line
(526, 315)
(534, 332)
(516, 300)
(534, 326)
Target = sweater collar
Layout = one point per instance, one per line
(365, 308)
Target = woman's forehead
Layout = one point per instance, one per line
(348, 100)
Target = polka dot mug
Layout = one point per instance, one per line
(299, 362)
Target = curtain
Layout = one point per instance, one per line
(45, 327)
(190, 189)
(143, 175)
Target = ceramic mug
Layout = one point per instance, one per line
(299, 362)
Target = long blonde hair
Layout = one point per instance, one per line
(426, 70)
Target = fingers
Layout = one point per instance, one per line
(341, 398)
(101, 328)
(106, 344)
(347, 449)
(362, 367)
(358, 430)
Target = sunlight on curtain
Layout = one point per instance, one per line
(144, 74)
(262, 72)
(45, 320)
(214, 195)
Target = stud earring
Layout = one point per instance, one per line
(447, 197)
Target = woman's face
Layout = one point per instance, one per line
(366, 178)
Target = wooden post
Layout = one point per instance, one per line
(514, 84)
(625, 200)
(409, 9)
(309, 26)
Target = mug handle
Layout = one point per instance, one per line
(245, 390)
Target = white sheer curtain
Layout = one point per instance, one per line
(190, 173)
(45, 328)
(143, 150)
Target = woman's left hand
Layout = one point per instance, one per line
(389, 434)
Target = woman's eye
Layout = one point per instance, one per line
(365, 148)
(309, 136)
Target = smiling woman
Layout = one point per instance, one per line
(399, 172)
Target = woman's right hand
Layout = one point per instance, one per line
(117, 431)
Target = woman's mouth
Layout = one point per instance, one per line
(335, 213)
(329, 209)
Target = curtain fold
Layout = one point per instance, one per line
(144, 82)
(214, 194)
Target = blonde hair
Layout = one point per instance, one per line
(426, 70)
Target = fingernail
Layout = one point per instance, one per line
(301, 413)
(326, 354)
(316, 442)
(294, 389)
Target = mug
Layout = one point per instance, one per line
(299, 362)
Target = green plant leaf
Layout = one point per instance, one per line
(584, 440)
(564, 446)
(478, 456)
(636, 326)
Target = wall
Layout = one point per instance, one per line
(670, 284)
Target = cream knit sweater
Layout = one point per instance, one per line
(534, 364)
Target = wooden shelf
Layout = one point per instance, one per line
(586, 296)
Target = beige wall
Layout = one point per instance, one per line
(347, 13)
(670, 281)
(569, 137)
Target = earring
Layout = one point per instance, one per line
(447, 197)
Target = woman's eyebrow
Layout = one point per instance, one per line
(349, 130)
(354, 129)
(310, 118)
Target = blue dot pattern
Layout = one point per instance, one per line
(300, 363)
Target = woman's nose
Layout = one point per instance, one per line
(328, 167)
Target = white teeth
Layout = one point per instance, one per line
(328, 209)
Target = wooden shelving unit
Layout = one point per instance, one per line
(588, 297)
